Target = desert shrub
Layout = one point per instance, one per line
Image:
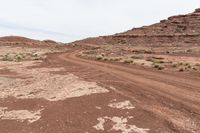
(137, 57)
(149, 59)
(18, 57)
(7, 57)
(174, 65)
(128, 61)
(189, 66)
(158, 58)
(138, 51)
(156, 66)
(189, 51)
(197, 64)
(158, 61)
(181, 69)
(115, 59)
(106, 59)
(194, 68)
(34, 55)
(180, 63)
(99, 57)
(37, 58)
(159, 67)
(21, 56)
(142, 51)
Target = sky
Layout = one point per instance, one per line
(70, 20)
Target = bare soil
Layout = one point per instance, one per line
(145, 80)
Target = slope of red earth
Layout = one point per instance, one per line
(23, 41)
(181, 29)
(143, 81)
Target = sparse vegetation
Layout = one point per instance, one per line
(197, 64)
(21, 57)
(142, 51)
(137, 57)
(128, 61)
(181, 69)
(158, 61)
(159, 67)
(7, 58)
(99, 57)
(184, 66)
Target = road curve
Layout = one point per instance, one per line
(174, 96)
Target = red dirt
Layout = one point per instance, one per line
(163, 101)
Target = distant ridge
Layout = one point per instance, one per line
(18, 40)
(176, 30)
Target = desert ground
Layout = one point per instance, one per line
(145, 80)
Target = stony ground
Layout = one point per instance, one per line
(145, 80)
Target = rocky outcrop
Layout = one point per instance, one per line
(180, 30)
(176, 30)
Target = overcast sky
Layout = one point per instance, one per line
(69, 20)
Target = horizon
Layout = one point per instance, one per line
(71, 20)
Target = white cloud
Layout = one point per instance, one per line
(78, 19)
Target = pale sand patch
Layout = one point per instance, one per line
(100, 125)
(121, 105)
(142, 62)
(20, 115)
(97, 107)
(41, 83)
(119, 124)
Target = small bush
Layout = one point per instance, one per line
(128, 61)
(105, 59)
(174, 65)
(18, 57)
(35, 55)
(158, 67)
(189, 51)
(181, 70)
(115, 59)
(99, 57)
(137, 57)
(158, 58)
(158, 61)
(194, 68)
(198, 64)
(7, 57)
(189, 66)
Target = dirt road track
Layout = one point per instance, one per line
(171, 96)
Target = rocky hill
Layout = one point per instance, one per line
(180, 30)
(17, 40)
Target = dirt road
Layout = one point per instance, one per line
(173, 97)
(66, 93)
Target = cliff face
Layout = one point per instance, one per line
(180, 30)
(181, 24)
